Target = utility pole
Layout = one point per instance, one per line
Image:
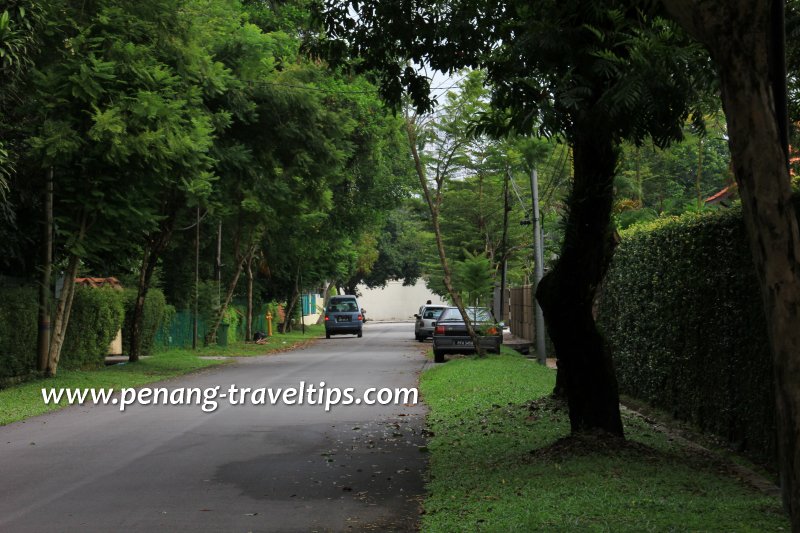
(196, 277)
(43, 339)
(218, 266)
(504, 257)
(538, 256)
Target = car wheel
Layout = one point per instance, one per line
(359, 334)
(419, 338)
(327, 335)
(438, 356)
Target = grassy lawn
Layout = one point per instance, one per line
(276, 343)
(25, 400)
(501, 460)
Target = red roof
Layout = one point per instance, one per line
(99, 282)
(721, 196)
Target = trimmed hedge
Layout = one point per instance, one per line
(682, 313)
(18, 331)
(156, 311)
(94, 321)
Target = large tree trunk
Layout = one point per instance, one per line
(157, 244)
(566, 294)
(61, 321)
(745, 41)
(43, 340)
(64, 306)
(290, 303)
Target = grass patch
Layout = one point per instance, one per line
(502, 460)
(25, 400)
(277, 343)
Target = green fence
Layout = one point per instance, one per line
(259, 321)
(180, 331)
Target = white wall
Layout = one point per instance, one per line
(395, 302)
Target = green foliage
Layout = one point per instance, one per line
(18, 330)
(208, 300)
(682, 312)
(399, 249)
(233, 319)
(654, 182)
(97, 315)
(157, 314)
(474, 279)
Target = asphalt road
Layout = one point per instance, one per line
(240, 468)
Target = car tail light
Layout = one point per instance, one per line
(360, 317)
(492, 330)
(327, 318)
(440, 330)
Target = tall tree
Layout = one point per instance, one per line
(120, 124)
(21, 24)
(595, 73)
(746, 41)
(435, 166)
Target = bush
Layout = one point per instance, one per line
(164, 333)
(233, 320)
(18, 330)
(682, 313)
(156, 313)
(94, 321)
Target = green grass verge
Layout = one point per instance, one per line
(22, 401)
(501, 460)
(276, 343)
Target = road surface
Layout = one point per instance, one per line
(240, 468)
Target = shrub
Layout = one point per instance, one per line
(682, 313)
(164, 333)
(94, 321)
(233, 320)
(156, 313)
(18, 330)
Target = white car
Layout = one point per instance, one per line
(423, 326)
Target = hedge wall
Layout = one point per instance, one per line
(94, 321)
(682, 313)
(155, 312)
(95, 318)
(18, 330)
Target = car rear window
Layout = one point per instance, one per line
(343, 305)
(433, 312)
(476, 314)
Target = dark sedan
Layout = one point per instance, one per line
(450, 334)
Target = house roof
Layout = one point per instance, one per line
(725, 194)
(99, 282)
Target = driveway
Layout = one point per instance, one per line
(240, 468)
